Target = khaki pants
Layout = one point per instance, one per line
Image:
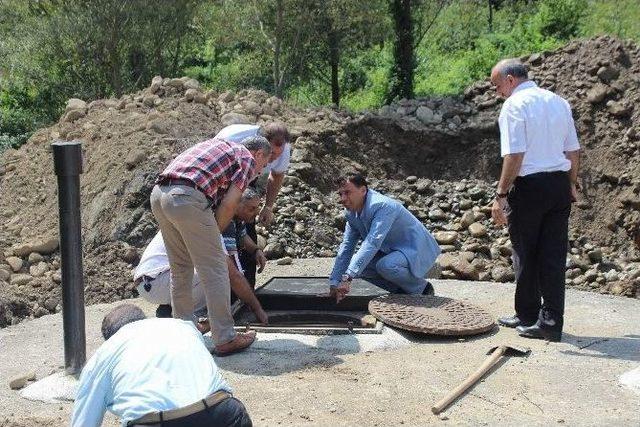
(192, 239)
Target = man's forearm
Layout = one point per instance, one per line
(574, 158)
(510, 169)
(249, 245)
(241, 288)
(273, 187)
(225, 211)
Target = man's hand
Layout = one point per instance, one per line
(498, 211)
(338, 292)
(262, 316)
(266, 216)
(261, 260)
(574, 192)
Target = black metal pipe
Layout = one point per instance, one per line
(67, 159)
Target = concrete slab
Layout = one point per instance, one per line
(394, 378)
(55, 388)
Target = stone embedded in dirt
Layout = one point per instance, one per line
(285, 261)
(437, 214)
(235, 118)
(598, 93)
(38, 269)
(44, 247)
(20, 381)
(4, 275)
(464, 269)
(619, 109)
(502, 274)
(446, 237)
(15, 263)
(75, 104)
(20, 279)
(608, 73)
(477, 229)
(273, 251)
(35, 257)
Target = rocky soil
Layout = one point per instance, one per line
(439, 156)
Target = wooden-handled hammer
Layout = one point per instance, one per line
(494, 356)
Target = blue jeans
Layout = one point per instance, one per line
(391, 272)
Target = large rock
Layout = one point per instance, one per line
(75, 104)
(20, 381)
(20, 279)
(608, 73)
(619, 109)
(467, 219)
(446, 237)
(502, 274)
(597, 93)
(15, 263)
(44, 247)
(273, 250)
(477, 229)
(235, 119)
(427, 116)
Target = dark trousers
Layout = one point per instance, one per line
(248, 260)
(228, 413)
(539, 207)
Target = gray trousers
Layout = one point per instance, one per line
(192, 239)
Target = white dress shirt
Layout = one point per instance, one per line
(147, 366)
(538, 123)
(236, 133)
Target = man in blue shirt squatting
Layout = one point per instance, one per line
(396, 252)
(154, 372)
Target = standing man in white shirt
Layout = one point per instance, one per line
(154, 372)
(268, 183)
(538, 183)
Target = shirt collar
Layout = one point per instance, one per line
(524, 85)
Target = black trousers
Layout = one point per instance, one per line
(539, 207)
(228, 413)
(248, 260)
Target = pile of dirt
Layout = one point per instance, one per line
(439, 156)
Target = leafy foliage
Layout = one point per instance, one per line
(311, 52)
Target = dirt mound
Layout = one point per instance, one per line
(439, 156)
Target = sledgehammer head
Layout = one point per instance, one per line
(510, 350)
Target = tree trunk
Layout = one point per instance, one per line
(403, 53)
(277, 77)
(334, 60)
(490, 16)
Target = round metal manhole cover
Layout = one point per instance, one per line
(431, 315)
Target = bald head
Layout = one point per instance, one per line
(507, 74)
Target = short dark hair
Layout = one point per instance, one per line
(276, 131)
(356, 178)
(120, 316)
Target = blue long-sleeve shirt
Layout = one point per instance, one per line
(383, 225)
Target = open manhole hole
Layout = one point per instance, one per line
(294, 305)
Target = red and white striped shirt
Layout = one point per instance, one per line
(213, 165)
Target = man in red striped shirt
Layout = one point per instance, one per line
(194, 198)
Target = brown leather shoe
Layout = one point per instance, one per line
(239, 343)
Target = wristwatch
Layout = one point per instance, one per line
(346, 278)
(501, 195)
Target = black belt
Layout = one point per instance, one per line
(178, 181)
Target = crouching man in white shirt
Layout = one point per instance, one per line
(153, 275)
(154, 372)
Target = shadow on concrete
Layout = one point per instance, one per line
(283, 355)
(420, 338)
(626, 347)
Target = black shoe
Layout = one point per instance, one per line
(163, 310)
(513, 321)
(537, 332)
(428, 290)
